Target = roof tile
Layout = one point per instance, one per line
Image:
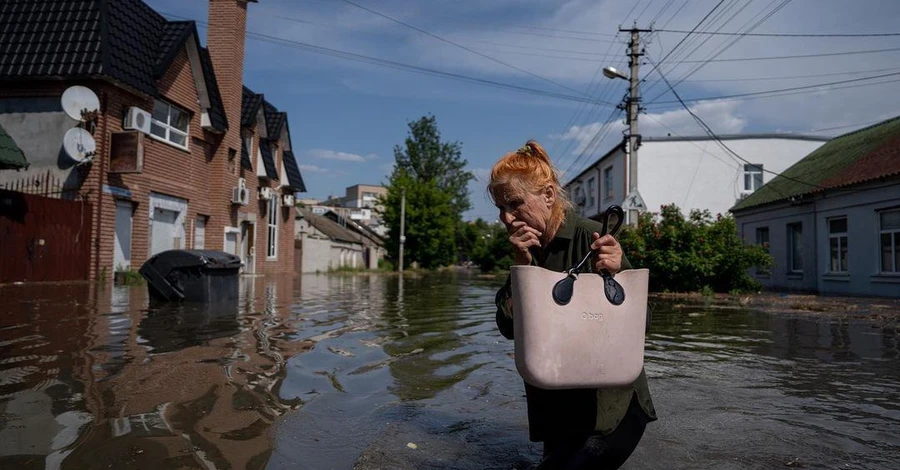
(856, 157)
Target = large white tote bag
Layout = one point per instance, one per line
(579, 330)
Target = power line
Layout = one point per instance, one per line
(734, 41)
(689, 34)
(787, 77)
(473, 51)
(800, 56)
(406, 67)
(781, 90)
(784, 35)
(715, 137)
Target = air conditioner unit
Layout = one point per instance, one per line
(265, 193)
(240, 195)
(287, 200)
(137, 119)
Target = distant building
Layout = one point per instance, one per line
(832, 220)
(690, 172)
(326, 242)
(360, 204)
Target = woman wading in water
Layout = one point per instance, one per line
(580, 428)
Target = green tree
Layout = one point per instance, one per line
(426, 158)
(431, 173)
(693, 253)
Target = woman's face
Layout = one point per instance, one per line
(532, 209)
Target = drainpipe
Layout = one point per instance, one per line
(99, 213)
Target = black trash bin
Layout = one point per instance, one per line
(192, 276)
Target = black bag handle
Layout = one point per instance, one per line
(563, 290)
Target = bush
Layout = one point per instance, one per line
(692, 254)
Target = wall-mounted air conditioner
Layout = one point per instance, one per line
(137, 119)
(240, 194)
(265, 193)
(287, 200)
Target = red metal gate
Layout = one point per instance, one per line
(43, 239)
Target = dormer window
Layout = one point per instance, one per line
(170, 124)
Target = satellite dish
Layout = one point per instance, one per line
(77, 99)
(79, 144)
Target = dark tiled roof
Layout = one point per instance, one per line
(172, 37)
(265, 149)
(295, 179)
(122, 40)
(70, 46)
(245, 156)
(250, 102)
(856, 157)
(330, 228)
(217, 108)
(11, 156)
(274, 120)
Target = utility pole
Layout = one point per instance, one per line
(402, 227)
(633, 108)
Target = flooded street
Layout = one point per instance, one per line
(370, 371)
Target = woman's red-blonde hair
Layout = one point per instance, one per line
(529, 170)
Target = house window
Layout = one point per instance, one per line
(590, 192)
(608, 182)
(837, 242)
(795, 247)
(762, 239)
(889, 227)
(169, 124)
(753, 177)
(273, 228)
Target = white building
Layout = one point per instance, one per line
(832, 221)
(360, 204)
(690, 172)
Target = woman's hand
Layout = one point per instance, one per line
(522, 238)
(607, 254)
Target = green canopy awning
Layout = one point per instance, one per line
(11, 156)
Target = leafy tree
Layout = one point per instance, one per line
(693, 253)
(431, 173)
(426, 158)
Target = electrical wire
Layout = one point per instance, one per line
(406, 67)
(785, 35)
(465, 48)
(715, 137)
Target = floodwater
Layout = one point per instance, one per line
(373, 371)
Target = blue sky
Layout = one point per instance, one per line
(346, 116)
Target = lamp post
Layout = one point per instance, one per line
(632, 109)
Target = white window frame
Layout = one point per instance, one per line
(272, 229)
(835, 264)
(893, 235)
(753, 177)
(167, 127)
(591, 193)
(792, 256)
(608, 190)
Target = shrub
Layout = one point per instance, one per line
(693, 253)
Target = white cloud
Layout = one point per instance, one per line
(721, 116)
(325, 154)
(312, 169)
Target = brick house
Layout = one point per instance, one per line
(188, 179)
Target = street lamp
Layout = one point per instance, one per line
(611, 72)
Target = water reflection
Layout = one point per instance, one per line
(345, 371)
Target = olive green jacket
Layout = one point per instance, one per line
(557, 413)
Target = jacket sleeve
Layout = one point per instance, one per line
(504, 312)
